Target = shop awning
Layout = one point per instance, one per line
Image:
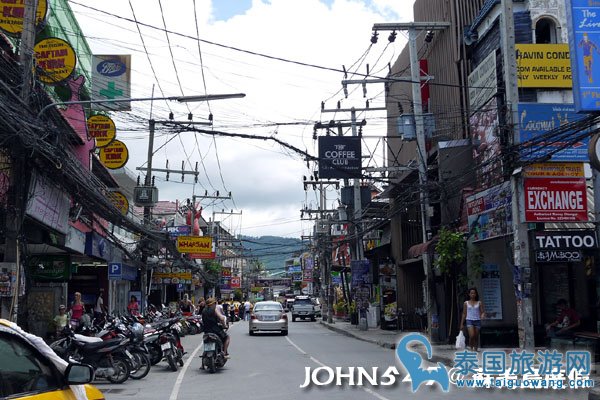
(418, 250)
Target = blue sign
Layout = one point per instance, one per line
(583, 18)
(175, 231)
(115, 270)
(361, 272)
(537, 119)
(180, 287)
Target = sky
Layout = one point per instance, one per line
(287, 56)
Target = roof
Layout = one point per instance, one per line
(487, 7)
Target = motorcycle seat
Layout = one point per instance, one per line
(100, 345)
(211, 336)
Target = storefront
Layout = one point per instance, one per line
(565, 262)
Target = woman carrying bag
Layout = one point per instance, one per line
(473, 313)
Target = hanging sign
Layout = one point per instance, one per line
(120, 201)
(13, 13)
(194, 244)
(339, 157)
(101, 128)
(115, 155)
(111, 79)
(56, 59)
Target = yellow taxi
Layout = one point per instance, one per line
(30, 370)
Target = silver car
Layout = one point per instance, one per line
(268, 316)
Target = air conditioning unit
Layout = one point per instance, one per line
(145, 196)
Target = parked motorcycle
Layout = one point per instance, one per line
(108, 357)
(164, 342)
(213, 356)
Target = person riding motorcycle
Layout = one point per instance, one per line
(211, 317)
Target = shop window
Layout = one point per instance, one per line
(545, 31)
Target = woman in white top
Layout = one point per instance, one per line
(473, 313)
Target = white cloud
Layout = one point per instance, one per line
(265, 179)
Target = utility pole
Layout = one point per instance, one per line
(413, 29)
(20, 172)
(520, 231)
(358, 248)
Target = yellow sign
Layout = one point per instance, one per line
(56, 58)
(194, 244)
(543, 65)
(13, 12)
(120, 201)
(115, 155)
(101, 128)
(552, 170)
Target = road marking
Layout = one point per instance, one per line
(175, 391)
(371, 392)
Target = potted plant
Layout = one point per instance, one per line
(340, 308)
(353, 313)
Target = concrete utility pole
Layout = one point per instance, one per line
(520, 231)
(413, 29)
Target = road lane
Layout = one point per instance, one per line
(270, 366)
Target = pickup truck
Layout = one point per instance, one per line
(303, 308)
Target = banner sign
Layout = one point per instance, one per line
(489, 213)
(268, 282)
(339, 157)
(491, 291)
(307, 275)
(537, 119)
(483, 83)
(361, 272)
(13, 12)
(543, 65)
(552, 240)
(555, 200)
(48, 204)
(111, 79)
(102, 129)
(56, 59)
(583, 24)
(194, 244)
(235, 282)
(557, 256)
(115, 155)
(551, 170)
(49, 267)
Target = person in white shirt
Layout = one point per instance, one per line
(99, 308)
(247, 306)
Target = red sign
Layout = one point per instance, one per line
(201, 256)
(236, 282)
(556, 200)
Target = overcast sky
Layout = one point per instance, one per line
(283, 93)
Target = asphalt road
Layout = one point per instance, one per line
(269, 366)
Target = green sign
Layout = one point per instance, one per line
(50, 267)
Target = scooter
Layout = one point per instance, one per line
(213, 356)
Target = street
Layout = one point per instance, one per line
(270, 366)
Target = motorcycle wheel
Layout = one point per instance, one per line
(210, 363)
(121, 367)
(156, 353)
(144, 365)
(180, 357)
(171, 361)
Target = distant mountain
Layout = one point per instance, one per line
(272, 251)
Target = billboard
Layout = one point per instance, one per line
(486, 148)
(339, 157)
(583, 21)
(489, 213)
(194, 244)
(483, 83)
(543, 65)
(555, 200)
(537, 119)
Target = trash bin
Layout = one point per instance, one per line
(373, 315)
